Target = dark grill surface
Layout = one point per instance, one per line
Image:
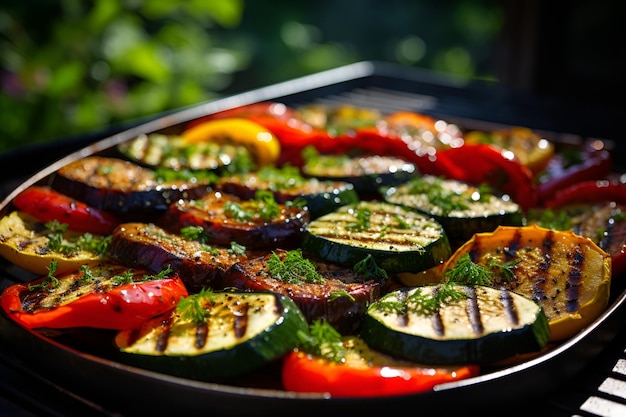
(598, 390)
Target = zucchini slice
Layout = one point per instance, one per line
(461, 208)
(399, 239)
(174, 152)
(213, 336)
(368, 173)
(482, 325)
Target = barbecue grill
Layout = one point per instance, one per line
(585, 376)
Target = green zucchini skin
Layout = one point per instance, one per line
(322, 197)
(421, 340)
(460, 224)
(172, 151)
(223, 364)
(413, 246)
(367, 173)
(320, 204)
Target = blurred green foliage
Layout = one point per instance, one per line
(73, 66)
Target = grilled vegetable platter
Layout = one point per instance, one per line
(313, 254)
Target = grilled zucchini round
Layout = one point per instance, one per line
(228, 334)
(399, 239)
(462, 209)
(480, 325)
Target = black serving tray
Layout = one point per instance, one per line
(95, 383)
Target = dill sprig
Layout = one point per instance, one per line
(294, 268)
(193, 308)
(322, 340)
(369, 268)
(362, 219)
(468, 272)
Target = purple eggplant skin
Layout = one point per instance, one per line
(145, 245)
(341, 299)
(122, 187)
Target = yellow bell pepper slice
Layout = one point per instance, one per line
(263, 145)
(527, 146)
(567, 274)
(24, 246)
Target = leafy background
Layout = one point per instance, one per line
(76, 66)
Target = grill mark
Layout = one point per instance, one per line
(473, 312)
(540, 280)
(508, 306)
(162, 339)
(202, 335)
(572, 283)
(240, 324)
(396, 237)
(402, 319)
(510, 250)
(435, 319)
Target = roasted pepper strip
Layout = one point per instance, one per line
(46, 205)
(595, 165)
(104, 304)
(306, 373)
(589, 192)
(481, 163)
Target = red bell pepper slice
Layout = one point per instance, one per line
(484, 164)
(596, 165)
(305, 373)
(46, 205)
(589, 192)
(123, 307)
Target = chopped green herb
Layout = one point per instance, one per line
(294, 268)
(322, 340)
(362, 217)
(369, 268)
(193, 307)
(51, 282)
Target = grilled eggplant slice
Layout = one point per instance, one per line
(321, 290)
(122, 187)
(399, 239)
(148, 246)
(567, 274)
(478, 325)
(287, 184)
(215, 336)
(462, 209)
(225, 218)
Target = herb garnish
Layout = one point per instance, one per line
(294, 268)
(362, 217)
(193, 307)
(263, 206)
(323, 340)
(465, 272)
(422, 303)
(85, 242)
(448, 200)
(51, 282)
(369, 268)
(285, 177)
(468, 272)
